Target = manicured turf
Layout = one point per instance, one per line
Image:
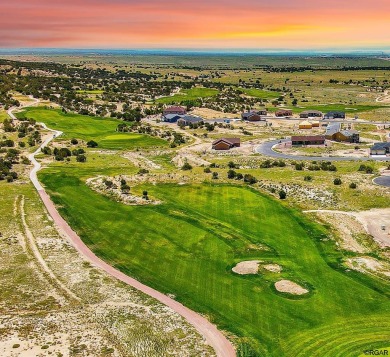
(258, 93)
(188, 94)
(101, 130)
(188, 245)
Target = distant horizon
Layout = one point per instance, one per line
(205, 51)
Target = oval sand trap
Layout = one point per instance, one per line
(288, 286)
(274, 268)
(247, 267)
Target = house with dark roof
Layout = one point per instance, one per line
(251, 116)
(380, 149)
(254, 115)
(308, 140)
(334, 115)
(226, 143)
(171, 118)
(284, 113)
(189, 119)
(310, 114)
(174, 110)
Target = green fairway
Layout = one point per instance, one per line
(102, 130)
(259, 93)
(188, 94)
(188, 245)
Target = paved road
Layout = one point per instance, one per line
(209, 331)
(382, 181)
(267, 150)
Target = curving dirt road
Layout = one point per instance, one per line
(215, 338)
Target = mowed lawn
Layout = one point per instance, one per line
(101, 130)
(259, 93)
(189, 94)
(188, 245)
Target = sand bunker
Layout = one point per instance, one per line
(287, 286)
(247, 267)
(274, 268)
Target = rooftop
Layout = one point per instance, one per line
(308, 138)
(380, 146)
(228, 140)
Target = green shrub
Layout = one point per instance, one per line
(92, 144)
(337, 181)
(186, 166)
(282, 194)
(231, 174)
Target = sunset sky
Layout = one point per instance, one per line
(211, 24)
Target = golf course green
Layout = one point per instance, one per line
(187, 247)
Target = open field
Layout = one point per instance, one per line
(91, 128)
(188, 94)
(201, 60)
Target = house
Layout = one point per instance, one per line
(334, 115)
(311, 114)
(283, 113)
(253, 115)
(315, 124)
(174, 110)
(188, 119)
(332, 129)
(380, 149)
(334, 132)
(305, 125)
(226, 143)
(350, 136)
(308, 140)
(171, 118)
